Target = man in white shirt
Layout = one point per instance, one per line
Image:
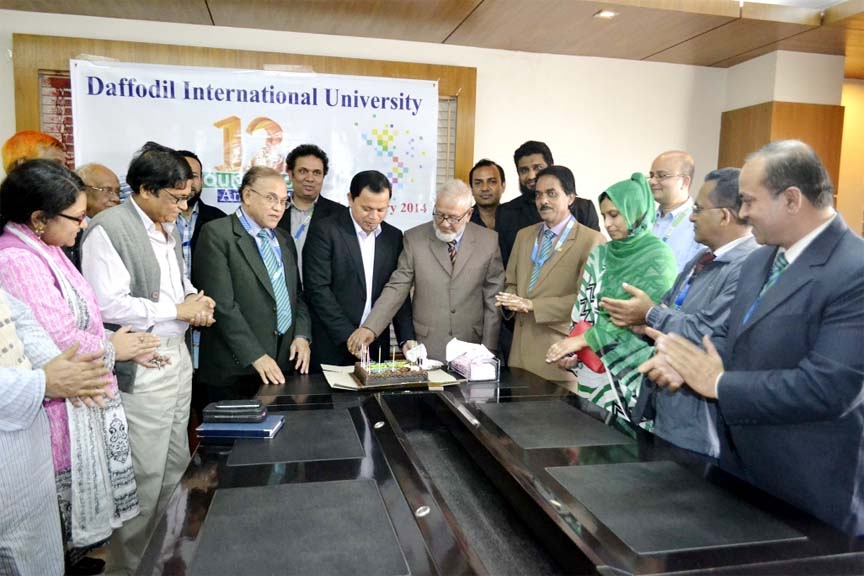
(132, 257)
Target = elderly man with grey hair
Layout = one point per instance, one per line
(455, 269)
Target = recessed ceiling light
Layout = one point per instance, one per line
(605, 14)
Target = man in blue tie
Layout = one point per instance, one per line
(249, 267)
(787, 371)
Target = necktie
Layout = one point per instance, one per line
(451, 249)
(545, 250)
(706, 258)
(277, 280)
(780, 264)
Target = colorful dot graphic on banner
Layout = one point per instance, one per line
(385, 142)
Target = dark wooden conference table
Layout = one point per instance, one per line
(510, 477)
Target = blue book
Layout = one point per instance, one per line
(267, 428)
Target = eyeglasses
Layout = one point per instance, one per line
(699, 209)
(78, 219)
(441, 218)
(661, 176)
(110, 190)
(304, 172)
(272, 199)
(177, 199)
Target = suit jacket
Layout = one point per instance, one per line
(683, 417)
(206, 213)
(553, 296)
(335, 287)
(449, 302)
(228, 267)
(520, 212)
(324, 207)
(792, 395)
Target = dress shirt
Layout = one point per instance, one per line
(187, 229)
(557, 229)
(105, 271)
(297, 218)
(24, 390)
(367, 253)
(676, 230)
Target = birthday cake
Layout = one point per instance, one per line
(389, 373)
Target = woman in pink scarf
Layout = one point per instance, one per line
(42, 208)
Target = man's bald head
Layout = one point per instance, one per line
(103, 187)
(670, 178)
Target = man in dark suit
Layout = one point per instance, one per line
(530, 158)
(347, 261)
(789, 375)
(307, 167)
(262, 324)
(197, 212)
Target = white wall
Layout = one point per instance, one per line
(603, 118)
(786, 77)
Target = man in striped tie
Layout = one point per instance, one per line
(787, 372)
(544, 274)
(249, 267)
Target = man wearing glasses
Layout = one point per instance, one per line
(132, 257)
(670, 178)
(697, 304)
(455, 269)
(249, 267)
(307, 166)
(103, 191)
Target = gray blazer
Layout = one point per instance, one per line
(792, 396)
(683, 417)
(449, 301)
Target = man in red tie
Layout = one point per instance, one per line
(697, 303)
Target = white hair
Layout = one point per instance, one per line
(457, 190)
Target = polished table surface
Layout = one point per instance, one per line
(600, 496)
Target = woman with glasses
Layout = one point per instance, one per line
(42, 209)
(633, 256)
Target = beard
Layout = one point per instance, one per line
(527, 192)
(444, 236)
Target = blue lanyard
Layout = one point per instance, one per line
(674, 225)
(304, 224)
(682, 294)
(561, 239)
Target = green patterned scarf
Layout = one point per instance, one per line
(642, 260)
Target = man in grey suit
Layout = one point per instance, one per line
(249, 266)
(455, 269)
(697, 304)
(788, 378)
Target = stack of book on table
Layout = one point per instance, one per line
(239, 419)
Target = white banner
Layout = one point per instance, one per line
(235, 119)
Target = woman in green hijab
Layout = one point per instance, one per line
(634, 256)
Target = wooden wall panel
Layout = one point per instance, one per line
(821, 126)
(741, 132)
(745, 130)
(33, 53)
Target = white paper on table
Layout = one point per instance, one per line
(332, 368)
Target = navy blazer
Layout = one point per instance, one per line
(792, 396)
(335, 287)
